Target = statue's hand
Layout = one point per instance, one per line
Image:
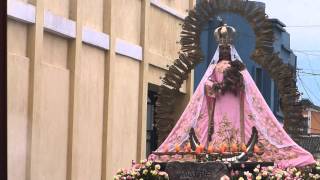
(212, 88)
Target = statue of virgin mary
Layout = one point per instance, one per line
(225, 107)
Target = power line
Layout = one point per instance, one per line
(307, 90)
(307, 53)
(306, 50)
(308, 73)
(308, 59)
(304, 88)
(299, 69)
(303, 26)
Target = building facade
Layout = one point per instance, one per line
(80, 77)
(312, 113)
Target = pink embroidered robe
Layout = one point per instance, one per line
(278, 146)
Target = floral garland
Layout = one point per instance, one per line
(277, 173)
(145, 170)
(149, 170)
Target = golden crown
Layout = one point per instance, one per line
(224, 34)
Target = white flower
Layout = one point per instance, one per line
(166, 176)
(241, 178)
(256, 170)
(154, 172)
(270, 168)
(225, 177)
(247, 173)
(143, 161)
(279, 176)
(298, 174)
(148, 164)
(264, 173)
(133, 173)
(294, 169)
(157, 167)
(317, 176)
(145, 171)
(119, 171)
(258, 177)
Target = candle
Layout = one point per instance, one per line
(234, 147)
(177, 147)
(243, 148)
(210, 149)
(187, 147)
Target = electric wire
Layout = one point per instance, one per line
(302, 84)
(315, 79)
(308, 73)
(307, 90)
(303, 26)
(307, 53)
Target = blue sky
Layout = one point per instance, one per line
(305, 41)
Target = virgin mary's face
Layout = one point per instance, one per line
(224, 48)
(224, 52)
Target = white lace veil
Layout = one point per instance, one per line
(234, 55)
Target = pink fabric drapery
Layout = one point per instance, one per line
(279, 147)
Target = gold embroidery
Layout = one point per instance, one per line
(257, 104)
(251, 117)
(227, 133)
(272, 153)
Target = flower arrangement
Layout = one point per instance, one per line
(149, 170)
(277, 173)
(145, 170)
